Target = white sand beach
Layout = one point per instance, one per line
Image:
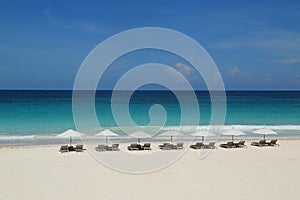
(252, 173)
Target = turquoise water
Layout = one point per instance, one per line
(26, 113)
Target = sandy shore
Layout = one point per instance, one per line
(252, 173)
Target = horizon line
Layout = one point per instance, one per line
(163, 90)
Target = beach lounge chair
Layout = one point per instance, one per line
(100, 147)
(240, 144)
(115, 147)
(161, 146)
(147, 146)
(71, 148)
(166, 146)
(210, 145)
(198, 145)
(108, 148)
(133, 147)
(179, 145)
(228, 145)
(272, 143)
(79, 148)
(261, 143)
(64, 148)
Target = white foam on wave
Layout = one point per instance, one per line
(17, 137)
(238, 127)
(24, 137)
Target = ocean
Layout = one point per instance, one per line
(34, 114)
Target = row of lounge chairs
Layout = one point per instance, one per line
(66, 148)
(139, 147)
(113, 147)
(228, 145)
(241, 144)
(201, 145)
(264, 143)
(169, 146)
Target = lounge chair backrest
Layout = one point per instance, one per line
(199, 144)
(79, 146)
(211, 144)
(115, 146)
(230, 144)
(64, 147)
(147, 145)
(134, 145)
(101, 146)
(180, 144)
(241, 142)
(273, 141)
(262, 142)
(167, 144)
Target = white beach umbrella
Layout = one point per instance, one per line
(201, 133)
(265, 131)
(171, 133)
(233, 132)
(69, 134)
(139, 135)
(107, 133)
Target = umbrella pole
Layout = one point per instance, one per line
(139, 141)
(202, 138)
(70, 140)
(232, 137)
(264, 136)
(106, 140)
(171, 139)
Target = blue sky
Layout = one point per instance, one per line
(256, 45)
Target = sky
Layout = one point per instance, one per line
(255, 44)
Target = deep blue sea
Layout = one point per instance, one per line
(24, 114)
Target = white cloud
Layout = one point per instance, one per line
(271, 42)
(288, 61)
(186, 70)
(234, 70)
(79, 25)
